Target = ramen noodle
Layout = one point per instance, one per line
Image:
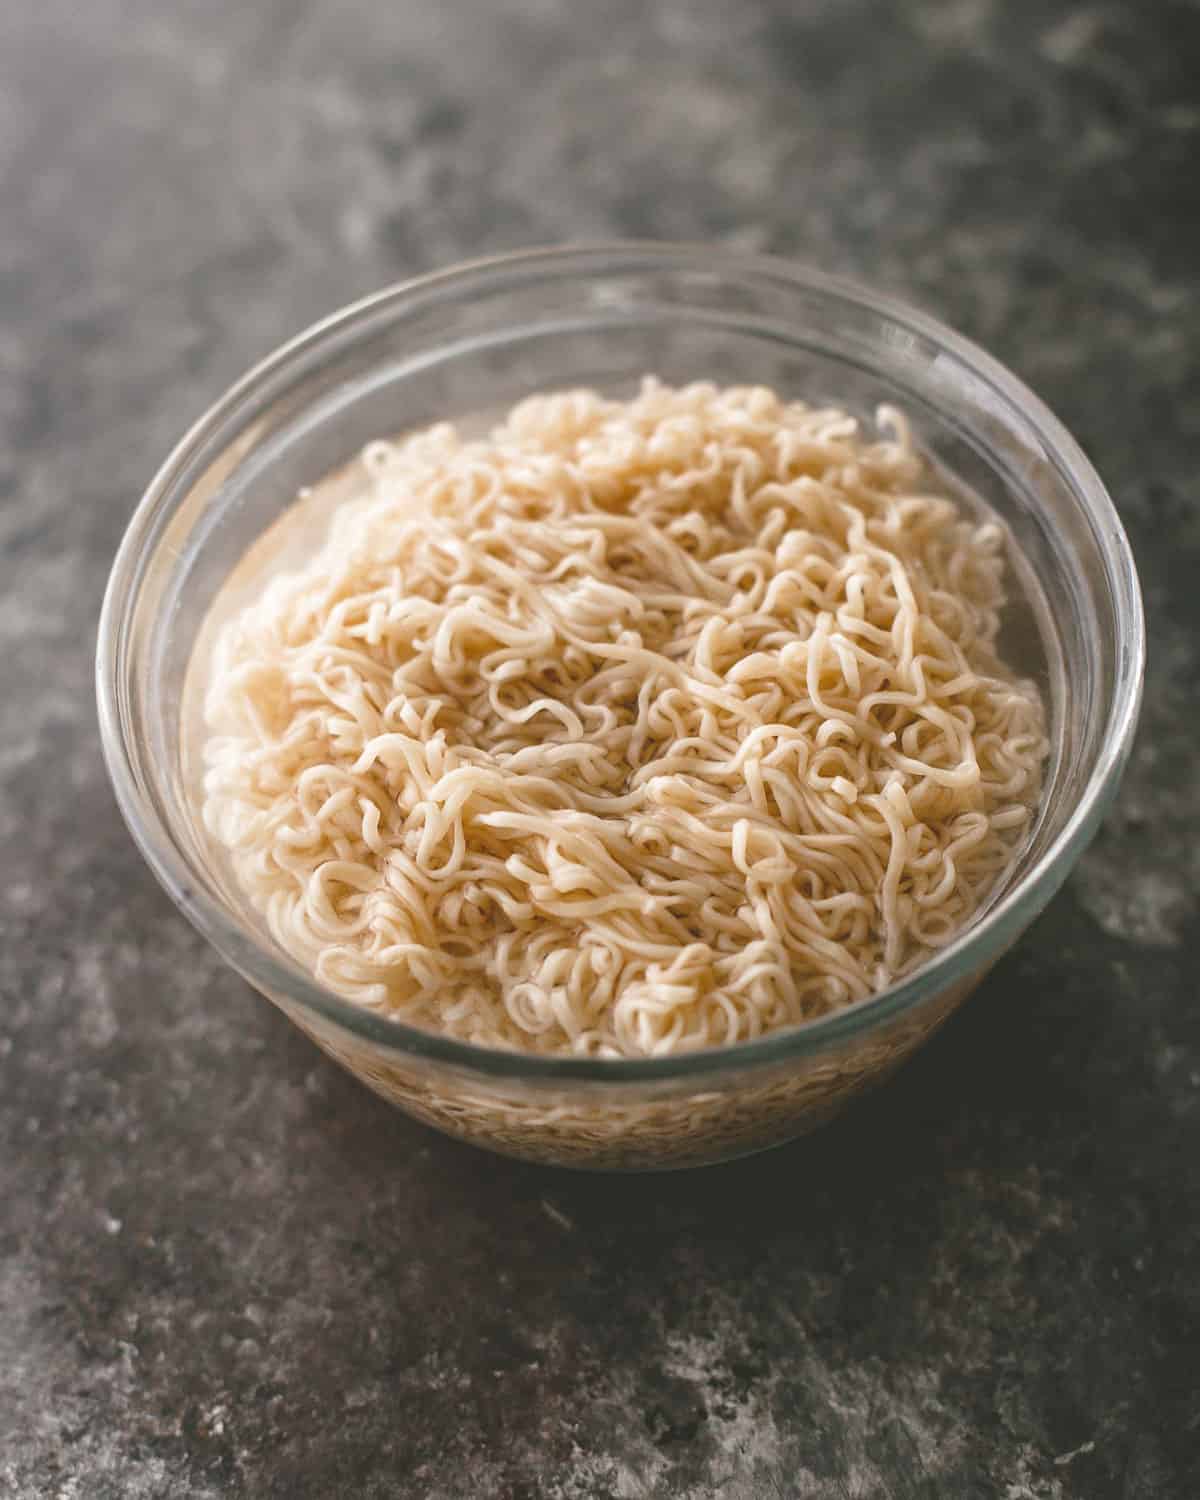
(631, 728)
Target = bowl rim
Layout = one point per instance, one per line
(966, 955)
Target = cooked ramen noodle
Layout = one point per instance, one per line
(631, 728)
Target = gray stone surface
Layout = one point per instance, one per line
(225, 1269)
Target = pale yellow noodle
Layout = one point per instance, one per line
(633, 728)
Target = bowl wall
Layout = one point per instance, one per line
(464, 347)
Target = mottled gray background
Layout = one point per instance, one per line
(225, 1269)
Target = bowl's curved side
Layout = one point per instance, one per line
(639, 1130)
(798, 1075)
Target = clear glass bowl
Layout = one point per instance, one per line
(466, 344)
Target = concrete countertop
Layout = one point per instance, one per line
(225, 1269)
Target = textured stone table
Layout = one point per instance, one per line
(225, 1269)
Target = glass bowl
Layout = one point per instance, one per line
(466, 344)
